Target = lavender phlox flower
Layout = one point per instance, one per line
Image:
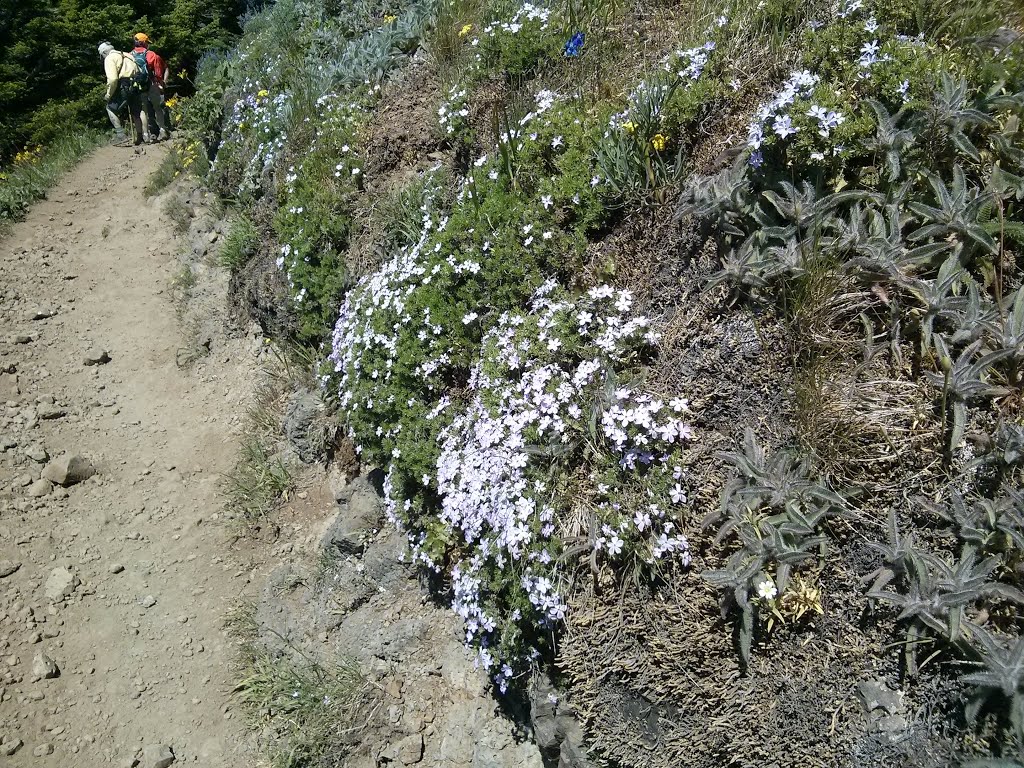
(903, 90)
(642, 520)
(614, 545)
(849, 7)
(783, 126)
(493, 498)
(827, 119)
(756, 135)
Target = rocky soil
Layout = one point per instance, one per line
(122, 399)
(116, 570)
(341, 592)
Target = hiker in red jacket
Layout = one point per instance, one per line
(157, 71)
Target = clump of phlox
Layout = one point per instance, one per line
(540, 399)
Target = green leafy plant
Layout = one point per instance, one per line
(776, 512)
(1000, 680)
(638, 158)
(962, 381)
(938, 593)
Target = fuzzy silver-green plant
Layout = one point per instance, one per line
(952, 115)
(936, 299)
(937, 594)
(775, 511)
(987, 525)
(964, 380)
(890, 141)
(1001, 676)
(958, 213)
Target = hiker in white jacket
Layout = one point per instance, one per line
(120, 69)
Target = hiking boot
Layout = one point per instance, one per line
(148, 139)
(120, 137)
(164, 136)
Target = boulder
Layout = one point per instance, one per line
(556, 730)
(40, 488)
(9, 388)
(61, 583)
(359, 515)
(156, 756)
(50, 411)
(37, 453)
(304, 427)
(44, 667)
(410, 749)
(69, 470)
(96, 356)
(42, 313)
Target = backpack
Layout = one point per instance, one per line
(141, 78)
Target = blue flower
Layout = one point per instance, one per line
(756, 159)
(575, 44)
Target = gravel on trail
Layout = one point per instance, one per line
(110, 462)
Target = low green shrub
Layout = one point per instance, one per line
(34, 172)
(240, 245)
(518, 43)
(168, 170)
(314, 219)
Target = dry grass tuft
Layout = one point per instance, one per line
(864, 428)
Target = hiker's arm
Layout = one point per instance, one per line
(110, 68)
(160, 70)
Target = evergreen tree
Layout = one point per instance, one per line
(51, 77)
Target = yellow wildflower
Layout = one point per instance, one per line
(658, 142)
(27, 156)
(629, 127)
(466, 29)
(261, 94)
(389, 18)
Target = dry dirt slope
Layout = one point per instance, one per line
(122, 580)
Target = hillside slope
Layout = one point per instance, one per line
(687, 340)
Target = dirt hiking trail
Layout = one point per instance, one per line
(113, 589)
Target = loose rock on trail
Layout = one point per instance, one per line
(114, 572)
